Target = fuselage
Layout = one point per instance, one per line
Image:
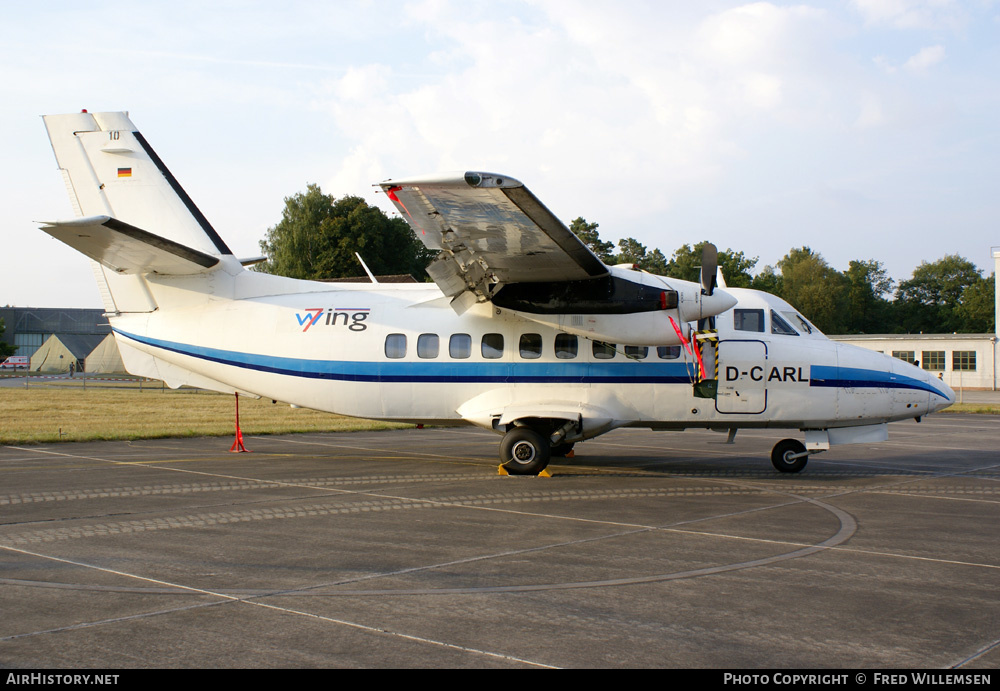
(400, 352)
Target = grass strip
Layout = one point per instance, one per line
(44, 415)
(977, 408)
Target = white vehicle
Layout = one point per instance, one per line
(524, 332)
(16, 362)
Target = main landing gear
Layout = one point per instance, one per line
(527, 451)
(530, 443)
(524, 451)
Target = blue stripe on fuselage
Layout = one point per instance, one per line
(631, 372)
(853, 377)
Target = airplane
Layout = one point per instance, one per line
(524, 331)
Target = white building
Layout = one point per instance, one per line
(963, 361)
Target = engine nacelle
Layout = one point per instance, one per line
(624, 307)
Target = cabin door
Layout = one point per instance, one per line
(742, 377)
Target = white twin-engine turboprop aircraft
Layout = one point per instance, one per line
(524, 332)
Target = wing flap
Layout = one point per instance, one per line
(126, 249)
(492, 231)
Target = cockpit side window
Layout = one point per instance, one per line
(800, 322)
(780, 326)
(748, 320)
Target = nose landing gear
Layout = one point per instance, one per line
(789, 456)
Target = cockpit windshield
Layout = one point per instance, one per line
(780, 326)
(800, 323)
(763, 313)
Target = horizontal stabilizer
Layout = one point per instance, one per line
(126, 249)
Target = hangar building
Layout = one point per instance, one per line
(27, 328)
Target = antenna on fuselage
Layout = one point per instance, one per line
(365, 267)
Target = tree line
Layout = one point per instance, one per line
(318, 235)
(945, 296)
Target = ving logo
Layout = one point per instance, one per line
(353, 317)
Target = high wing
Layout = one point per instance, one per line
(491, 231)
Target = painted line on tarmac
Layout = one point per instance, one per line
(230, 598)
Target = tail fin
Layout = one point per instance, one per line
(112, 171)
(130, 202)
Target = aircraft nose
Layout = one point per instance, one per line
(946, 394)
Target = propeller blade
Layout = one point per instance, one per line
(709, 265)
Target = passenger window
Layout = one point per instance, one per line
(395, 346)
(530, 346)
(428, 345)
(780, 326)
(492, 346)
(460, 346)
(566, 346)
(636, 352)
(748, 320)
(668, 352)
(604, 351)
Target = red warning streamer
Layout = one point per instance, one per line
(696, 352)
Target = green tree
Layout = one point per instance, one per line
(318, 235)
(929, 301)
(655, 263)
(592, 238)
(867, 306)
(977, 310)
(736, 266)
(768, 281)
(634, 252)
(814, 288)
(631, 251)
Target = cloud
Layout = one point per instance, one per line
(931, 55)
(912, 14)
(563, 90)
(871, 114)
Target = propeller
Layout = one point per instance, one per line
(709, 266)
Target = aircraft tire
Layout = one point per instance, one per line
(524, 451)
(783, 450)
(560, 450)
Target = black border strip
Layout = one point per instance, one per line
(554, 228)
(174, 248)
(179, 191)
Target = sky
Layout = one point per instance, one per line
(864, 129)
